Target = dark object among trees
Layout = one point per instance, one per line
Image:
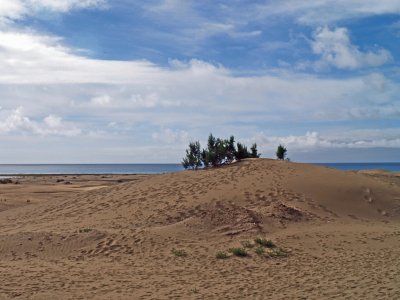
(218, 152)
(281, 152)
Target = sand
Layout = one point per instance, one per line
(113, 237)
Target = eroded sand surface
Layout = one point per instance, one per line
(112, 237)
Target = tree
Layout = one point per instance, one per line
(241, 152)
(193, 156)
(218, 152)
(254, 152)
(230, 150)
(281, 152)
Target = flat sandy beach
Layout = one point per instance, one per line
(336, 234)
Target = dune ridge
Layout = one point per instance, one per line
(113, 240)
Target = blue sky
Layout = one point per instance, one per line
(135, 81)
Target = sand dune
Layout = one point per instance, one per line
(113, 238)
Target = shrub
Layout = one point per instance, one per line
(84, 230)
(179, 252)
(241, 152)
(247, 244)
(260, 251)
(265, 243)
(221, 255)
(241, 252)
(277, 252)
(193, 156)
(254, 152)
(281, 152)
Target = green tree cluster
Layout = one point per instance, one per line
(218, 152)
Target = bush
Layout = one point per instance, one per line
(179, 252)
(193, 156)
(260, 251)
(265, 243)
(241, 252)
(281, 152)
(241, 152)
(254, 152)
(277, 252)
(247, 244)
(221, 255)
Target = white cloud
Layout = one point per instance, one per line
(329, 11)
(102, 100)
(33, 58)
(11, 10)
(16, 122)
(151, 100)
(50, 72)
(169, 136)
(312, 141)
(335, 48)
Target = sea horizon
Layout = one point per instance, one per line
(154, 168)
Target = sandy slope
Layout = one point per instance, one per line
(104, 239)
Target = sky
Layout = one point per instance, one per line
(125, 81)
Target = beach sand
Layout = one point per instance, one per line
(114, 236)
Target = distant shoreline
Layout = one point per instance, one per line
(12, 170)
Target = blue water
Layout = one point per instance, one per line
(393, 167)
(9, 169)
(89, 169)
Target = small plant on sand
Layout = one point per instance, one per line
(277, 252)
(260, 251)
(241, 252)
(84, 230)
(265, 242)
(179, 252)
(247, 244)
(221, 255)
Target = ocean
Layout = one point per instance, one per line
(393, 167)
(24, 169)
(17, 169)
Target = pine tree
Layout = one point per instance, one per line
(193, 156)
(254, 152)
(230, 149)
(281, 152)
(242, 152)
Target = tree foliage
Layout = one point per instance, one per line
(193, 156)
(281, 152)
(218, 152)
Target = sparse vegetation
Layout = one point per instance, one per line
(241, 252)
(262, 247)
(218, 152)
(179, 252)
(247, 244)
(277, 252)
(221, 255)
(260, 251)
(264, 242)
